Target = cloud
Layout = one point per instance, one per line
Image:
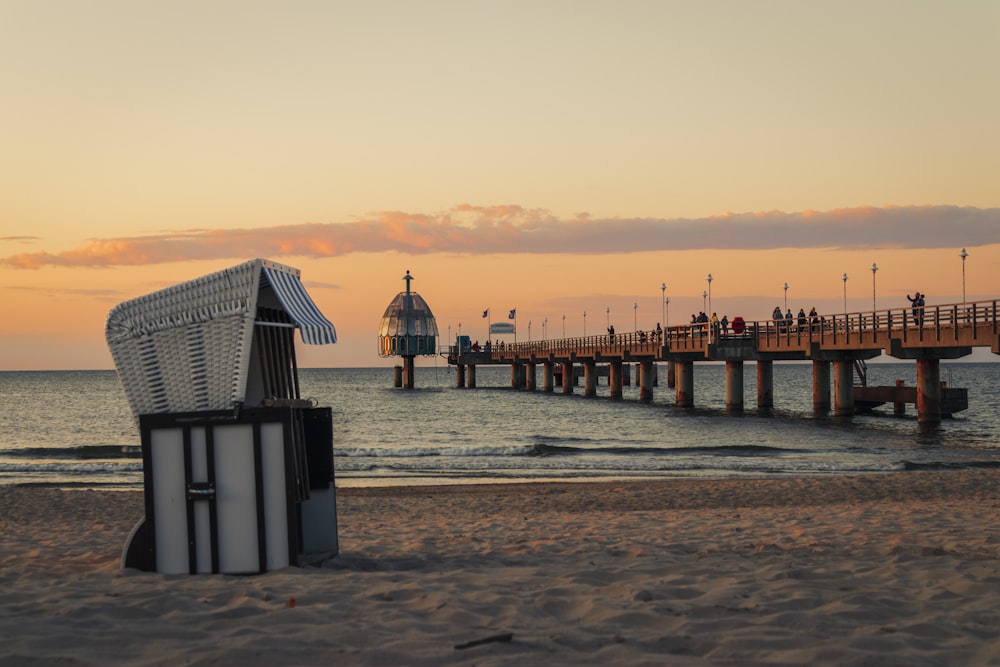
(473, 230)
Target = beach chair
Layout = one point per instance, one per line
(237, 467)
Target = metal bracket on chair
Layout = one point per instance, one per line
(201, 491)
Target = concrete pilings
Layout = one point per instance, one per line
(734, 385)
(765, 384)
(843, 387)
(615, 378)
(685, 384)
(408, 372)
(821, 385)
(589, 378)
(547, 376)
(928, 390)
(531, 376)
(646, 370)
(567, 378)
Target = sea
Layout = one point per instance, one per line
(74, 429)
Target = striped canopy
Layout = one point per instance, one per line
(189, 347)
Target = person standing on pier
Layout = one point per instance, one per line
(917, 301)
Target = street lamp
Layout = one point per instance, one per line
(564, 325)
(874, 269)
(529, 331)
(635, 316)
(786, 296)
(845, 293)
(663, 304)
(666, 316)
(608, 322)
(704, 298)
(584, 324)
(709, 279)
(963, 255)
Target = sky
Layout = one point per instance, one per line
(553, 157)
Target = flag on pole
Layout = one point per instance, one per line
(512, 313)
(486, 312)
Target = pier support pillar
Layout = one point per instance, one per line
(899, 407)
(671, 375)
(765, 385)
(615, 378)
(408, 372)
(626, 375)
(517, 376)
(843, 387)
(471, 374)
(646, 371)
(821, 385)
(397, 376)
(547, 373)
(589, 378)
(685, 384)
(531, 378)
(567, 378)
(734, 385)
(928, 390)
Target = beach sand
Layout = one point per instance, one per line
(898, 569)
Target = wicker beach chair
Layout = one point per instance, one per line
(238, 469)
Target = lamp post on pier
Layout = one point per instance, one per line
(874, 269)
(786, 296)
(704, 300)
(584, 324)
(708, 312)
(845, 293)
(608, 321)
(564, 325)
(635, 316)
(663, 302)
(963, 255)
(666, 317)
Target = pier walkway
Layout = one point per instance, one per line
(926, 336)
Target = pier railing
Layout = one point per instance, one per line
(975, 324)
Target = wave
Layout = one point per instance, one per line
(945, 465)
(551, 450)
(83, 452)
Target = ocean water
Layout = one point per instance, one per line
(75, 429)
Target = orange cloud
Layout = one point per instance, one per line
(467, 229)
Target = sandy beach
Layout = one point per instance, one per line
(900, 569)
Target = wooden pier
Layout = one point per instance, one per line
(837, 341)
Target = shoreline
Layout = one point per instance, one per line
(846, 569)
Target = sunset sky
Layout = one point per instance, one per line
(550, 156)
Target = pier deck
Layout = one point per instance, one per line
(947, 331)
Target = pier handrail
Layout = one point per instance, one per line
(934, 324)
